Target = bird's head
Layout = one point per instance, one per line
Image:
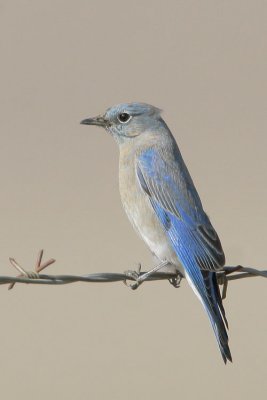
(127, 121)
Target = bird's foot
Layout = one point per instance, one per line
(176, 281)
(133, 276)
(222, 280)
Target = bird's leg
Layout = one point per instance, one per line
(140, 278)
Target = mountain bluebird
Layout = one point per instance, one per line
(162, 203)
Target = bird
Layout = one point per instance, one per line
(163, 205)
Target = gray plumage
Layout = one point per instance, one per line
(163, 205)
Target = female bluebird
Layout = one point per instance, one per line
(163, 205)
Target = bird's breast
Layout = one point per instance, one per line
(140, 212)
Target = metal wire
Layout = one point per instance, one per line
(103, 277)
(227, 274)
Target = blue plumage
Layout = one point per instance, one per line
(163, 205)
(183, 231)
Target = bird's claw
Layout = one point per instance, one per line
(134, 276)
(222, 280)
(176, 281)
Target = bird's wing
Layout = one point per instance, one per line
(177, 204)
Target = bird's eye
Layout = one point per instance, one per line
(124, 117)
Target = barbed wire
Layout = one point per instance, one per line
(227, 274)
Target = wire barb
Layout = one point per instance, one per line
(32, 274)
(227, 274)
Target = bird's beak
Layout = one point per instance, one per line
(99, 121)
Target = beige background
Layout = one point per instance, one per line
(204, 63)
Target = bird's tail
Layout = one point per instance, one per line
(217, 313)
(207, 290)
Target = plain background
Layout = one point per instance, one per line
(204, 63)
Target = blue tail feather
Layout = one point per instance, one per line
(204, 283)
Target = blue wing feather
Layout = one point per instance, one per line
(172, 187)
(190, 232)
